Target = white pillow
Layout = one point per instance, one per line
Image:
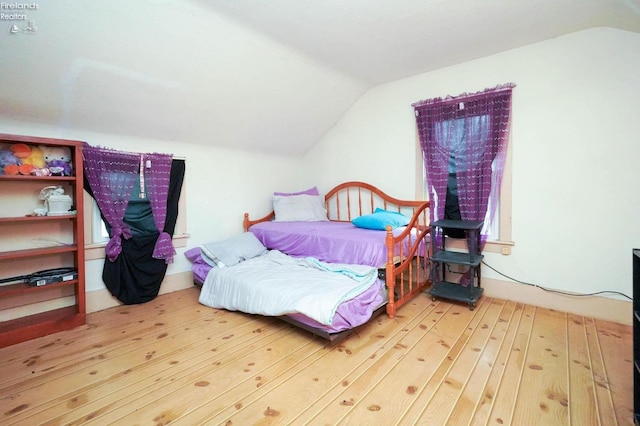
(233, 250)
(299, 208)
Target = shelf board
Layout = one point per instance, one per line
(40, 251)
(470, 259)
(38, 325)
(36, 218)
(21, 288)
(455, 291)
(469, 225)
(38, 178)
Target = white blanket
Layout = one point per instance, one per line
(276, 284)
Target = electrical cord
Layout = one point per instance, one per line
(557, 291)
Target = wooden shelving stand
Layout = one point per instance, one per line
(39, 324)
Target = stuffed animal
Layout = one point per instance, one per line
(40, 172)
(30, 158)
(59, 168)
(20, 150)
(36, 158)
(9, 163)
(57, 160)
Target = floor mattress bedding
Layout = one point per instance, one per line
(330, 297)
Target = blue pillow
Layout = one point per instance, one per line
(380, 219)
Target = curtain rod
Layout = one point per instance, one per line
(464, 96)
(175, 157)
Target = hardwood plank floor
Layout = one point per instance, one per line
(174, 361)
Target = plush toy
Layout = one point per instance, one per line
(30, 158)
(9, 163)
(20, 150)
(40, 172)
(36, 159)
(59, 168)
(57, 160)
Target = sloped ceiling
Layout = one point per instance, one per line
(269, 76)
(377, 41)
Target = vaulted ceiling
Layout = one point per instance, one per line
(376, 41)
(262, 75)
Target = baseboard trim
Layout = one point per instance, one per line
(603, 308)
(99, 300)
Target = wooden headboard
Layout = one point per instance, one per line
(349, 200)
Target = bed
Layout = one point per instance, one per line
(400, 253)
(264, 278)
(396, 254)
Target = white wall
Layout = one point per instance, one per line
(576, 191)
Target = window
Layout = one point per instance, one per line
(500, 230)
(95, 231)
(99, 229)
(464, 146)
(457, 128)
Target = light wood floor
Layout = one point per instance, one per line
(174, 361)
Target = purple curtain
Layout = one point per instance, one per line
(470, 132)
(158, 173)
(111, 175)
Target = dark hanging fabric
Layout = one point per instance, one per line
(452, 207)
(135, 275)
(138, 215)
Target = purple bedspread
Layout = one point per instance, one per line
(330, 241)
(349, 314)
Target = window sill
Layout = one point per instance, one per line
(96, 251)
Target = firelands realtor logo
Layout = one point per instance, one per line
(18, 14)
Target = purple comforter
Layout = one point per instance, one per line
(330, 241)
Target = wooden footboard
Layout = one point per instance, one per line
(407, 268)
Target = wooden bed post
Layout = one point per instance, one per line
(245, 222)
(390, 275)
